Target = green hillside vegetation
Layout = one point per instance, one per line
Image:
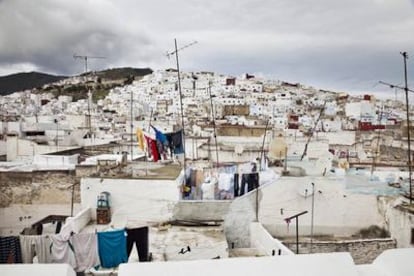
(123, 73)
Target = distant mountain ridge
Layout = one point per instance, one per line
(22, 81)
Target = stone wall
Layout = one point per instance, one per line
(15, 187)
(28, 196)
(240, 110)
(230, 130)
(86, 170)
(362, 251)
(38, 187)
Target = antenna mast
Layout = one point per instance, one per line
(405, 56)
(179, 87)
(214, 123)
(406, 89)
(85, 58)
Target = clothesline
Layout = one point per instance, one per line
(81, 251)
(163, 145)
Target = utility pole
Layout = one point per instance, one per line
(214, 123)
(313, 207)
(406, 89)
(181, 100)
(132, 123)
(89, 121)
(57, 133)
(405, 56)
(263, 143)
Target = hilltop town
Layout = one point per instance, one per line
(213, 166)
(358, 126)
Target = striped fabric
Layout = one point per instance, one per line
(10, 251)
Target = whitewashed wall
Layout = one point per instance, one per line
(261, 239)
(18, 149)
(16, 217)
(400, 223)
(146, 200)
(315, 148)
(36, 270)
(56, 160)
(336, 211)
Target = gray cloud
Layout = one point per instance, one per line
(341, 45)
(48, 33)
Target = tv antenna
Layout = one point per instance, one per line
(407, 106)
(180, 93)
(85, 58)
(169, 54)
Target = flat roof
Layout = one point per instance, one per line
(166, 241)
(339, 264)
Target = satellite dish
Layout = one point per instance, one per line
(238, 149)
(305, 190)
(278, 148)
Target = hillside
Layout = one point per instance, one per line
(123, 73)
(23, 81)
(99, 83)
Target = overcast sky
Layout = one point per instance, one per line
(346, 45)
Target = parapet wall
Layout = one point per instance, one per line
(261, 239)
(362, 251)
(214, 210)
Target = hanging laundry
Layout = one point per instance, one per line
(153, 150)
(161, 150)
(112, 248)
(253, 181)
(228, 169)
(140, 138)
(225, 181)
(10, 252)
(175, 141)
(159, 136)
(62, 251)
(244, 181)
(86, 251)
(189, 182)
(139, 236)
(35, 246)
(208, 188)
(236, 184)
